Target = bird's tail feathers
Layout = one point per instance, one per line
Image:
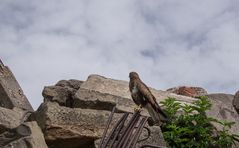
(163, 116)
(158, 115)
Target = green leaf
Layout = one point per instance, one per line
(192, 128)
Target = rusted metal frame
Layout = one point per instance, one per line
(107, 126)
(152, 146)
(124, 133)
(130, 132)
(138, 132)
(116, 130)
(116, 135)
(127, 130)
(149, 133)
(112, 133)
(120, 140)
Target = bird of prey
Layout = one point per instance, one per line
(143, 97)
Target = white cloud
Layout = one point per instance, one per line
(169, 42)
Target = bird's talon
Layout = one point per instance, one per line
(138, 108)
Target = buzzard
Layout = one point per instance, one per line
(143, 97)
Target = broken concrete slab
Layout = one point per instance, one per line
(10, 91)
(121, 88)
(77, 127)
(26, 135)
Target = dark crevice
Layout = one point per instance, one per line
(8, 136)
(83, 142)
(96, 104)
(69, 102)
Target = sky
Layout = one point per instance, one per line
(168, 42)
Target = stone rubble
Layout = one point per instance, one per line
(74, 113)
(15, 129)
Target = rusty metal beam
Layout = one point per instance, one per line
(138, 132)
(116, 131)
(125, 134)
(127, 131)
(107, 127)
(151, 146)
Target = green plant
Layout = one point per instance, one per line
(189, 127)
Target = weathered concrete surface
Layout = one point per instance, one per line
(67, 127)
(224, 98)
(223, 109)
(11, 92)
(121, 88)
(62, 92)
(97, 89)
(15, 109)
(10, 118)
(85, 98)
(72, 83)
(156, 139)
(76, 127)
(26, 135)
(57, 94)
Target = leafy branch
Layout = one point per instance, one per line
(189, 127)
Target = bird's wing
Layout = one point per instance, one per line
(144, 90)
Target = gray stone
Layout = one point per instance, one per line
(106, 85)
(235, 102)
(85, 98)
(156, 138)
(36, 139)
(62, 92)
(76, 127)
(121, 88)
(14, 136)
(225, 98)
(97, 89)
(58, 94)
(72, 83)
(72, 128)
(26, 135)
(223, 110)
(10, 118)
(10, 91)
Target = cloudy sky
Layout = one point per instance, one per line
(168, 42)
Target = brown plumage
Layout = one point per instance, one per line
(143, 97)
